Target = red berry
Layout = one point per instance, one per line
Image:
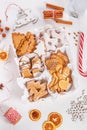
(3, 35)
(1, 29)
(7, 28)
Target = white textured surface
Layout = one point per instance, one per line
(60, 104)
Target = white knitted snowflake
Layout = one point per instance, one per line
(78, 109)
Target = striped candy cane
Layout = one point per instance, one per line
(80, 60)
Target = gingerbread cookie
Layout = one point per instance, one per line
(24, 44)
(37, 89)
(61, 74)
(31, 66)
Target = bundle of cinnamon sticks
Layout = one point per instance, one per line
(52, 14)
(56, 13)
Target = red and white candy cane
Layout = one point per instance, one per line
(80, 63)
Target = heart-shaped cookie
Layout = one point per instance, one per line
(63, 84)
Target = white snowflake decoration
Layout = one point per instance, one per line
(78, 108)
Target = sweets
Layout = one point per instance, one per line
(52, 38)
(31, 66)
(61, 74)
(37, 89)
(61, 77)
(24, 44)
(35, 115)
(45, 73)
(17, 37)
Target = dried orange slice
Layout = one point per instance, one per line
(48, 125)
(3, 55)
(56, 118)
(35, 115)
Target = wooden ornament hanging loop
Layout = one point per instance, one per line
(13, 4)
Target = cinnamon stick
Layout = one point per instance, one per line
(63, 21)
(52, 14)
(54, 6)
(46, 17)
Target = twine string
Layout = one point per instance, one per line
(13, 4)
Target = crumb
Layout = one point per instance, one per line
(75, 44)
(76, 40)
(74, 37)
(74, 33)
(59, 40)
(69, 33)
(0, 20)
(58, 32)
(63, 27)
(49, 43)
(78, 32)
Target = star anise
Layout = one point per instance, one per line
(1, 86)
